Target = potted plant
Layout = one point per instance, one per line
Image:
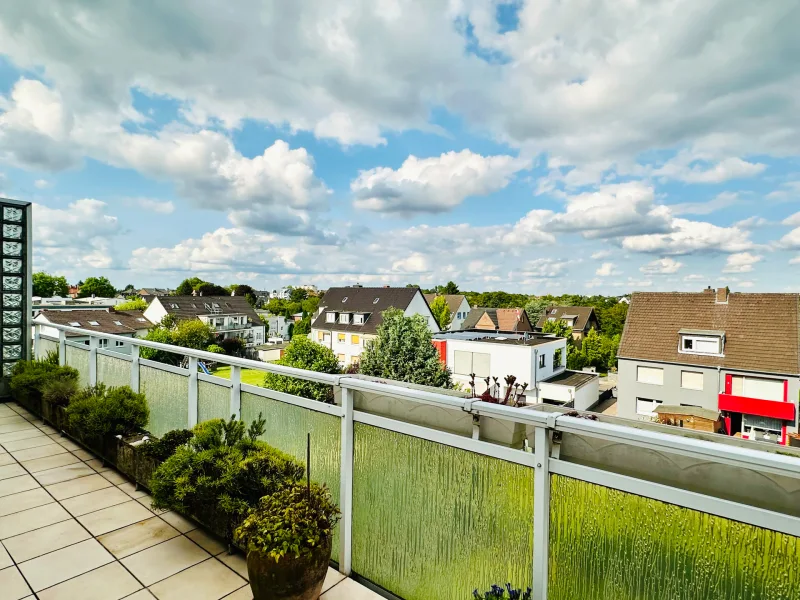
(288, 542)
(498, 592)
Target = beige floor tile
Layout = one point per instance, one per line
(94, 501)
(47, 429)
(237, 562)
(83, 454)
(60, 474)
(23, 425)
(12, 470)
(98, 466)
(243, 593)
(130, 489)
(115, 477)
(30, 432)
(12, 584)
(33, 442)
(39, 452)
(110, 582)
(207, 542)
(69, 444)
(164, 560)
(24, 501)
(147, 502)
(210, 580)
(349, 590)
(114, 517)
(6, 419)
(5, 557)
(76, 487)
(139, 536)
(41, 541)
(61, 565)
(7, 459)
(331, 579)
(144, 595)
(179, 522)
(33, 518)
(50, 462)
(17, 485)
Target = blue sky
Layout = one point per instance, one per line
(547, 147)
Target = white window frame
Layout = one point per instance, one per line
(358, 319)
(689, 387)
(118, 344)
(344, 318)
(639, 371)
(330, 317)
(653, 404)
(542, 361)
(703, 339)
(103, 343)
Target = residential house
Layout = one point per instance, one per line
(458, 306)
(150, 293)
(129, 323)
(533, 358)
(282, 294)
(349, 316)
(582, 319)
(228, 316)
(73, 292)
(277, 325)
(497, 319)
(730, 352)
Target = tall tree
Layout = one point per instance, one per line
(46, 285)
(187, 286)
(211, 289)
(559, 328)
(535, 308)
(244, 290)
(441, 312)
(298, 294)
(403, 351)
(134, 304)
(449, 288)
(97, 286)
(302, 353)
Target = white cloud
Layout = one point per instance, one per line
(695, 277)
(41, 184)
(416, 263)
(742, 262)
(689, 237)
(434, 184)
(753, 222)
(662, 266)
(601, 254)
(793, 220)
(689, 168)
(795, 261)
(156, 206)
(607, 269)
(543, 268)
(719, 202)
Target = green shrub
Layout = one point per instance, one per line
(216, 349)
(100, 411)
(61, 387)
(294, 521)
(161, 449)
(302, 353)
(30, 377)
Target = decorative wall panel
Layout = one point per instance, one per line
(114, 372)
(78, 358)
(213, 401)
(168, 398)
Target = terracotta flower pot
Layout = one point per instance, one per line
(291, 578)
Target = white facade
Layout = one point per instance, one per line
(278, 326)
(583, 397)
(460, 315)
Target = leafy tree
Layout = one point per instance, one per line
(135, 304)
(449, 288)
(233, 346)
(557, 327)
(303, 326)
(310, 305)
(612, 320)
(187, 286)
(535, 308)
(441, 312)
(244, 290)
(298, 294)
(497, 299)
(302, 353)
(193, 334)
(46, 285)
(97, 286)
(403, 351)
(211, 289)
(163, 335)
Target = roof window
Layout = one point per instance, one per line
(94, 323)
(173, 306)
(141, 319)
(75, 324)
(118, 323)
(344, 299)
(376, 300)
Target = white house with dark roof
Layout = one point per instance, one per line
(129, 323)
(458, 306)
(347, 317)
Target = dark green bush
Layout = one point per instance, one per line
(294, 520)
(29, 377)
(161, 449)
(61, 386)
(100, 411)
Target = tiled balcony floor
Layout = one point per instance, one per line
(70, 528)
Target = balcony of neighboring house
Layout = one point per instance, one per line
(757, 407)
(440, 494)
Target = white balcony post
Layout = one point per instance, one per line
(541, 512)
(93, 343)
(193, 392)
(236, 391)
(346, 485)
(135, 368)
(62, 347)
(37, 341)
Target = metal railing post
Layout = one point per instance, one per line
(93, 343)
(135, 368)
(236, 391)
(541, 512)
(37, 341)
(193, 392)
(62, 348)
(346, 485)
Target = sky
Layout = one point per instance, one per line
(590, 146)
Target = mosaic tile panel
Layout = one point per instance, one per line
(14, 303)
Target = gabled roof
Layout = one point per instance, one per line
(368, 301)
(119, 323)
(453, 300)
(504, 319)
(581, 314)
(761, 330)
(189, 307)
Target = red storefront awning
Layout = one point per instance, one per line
(752, 406)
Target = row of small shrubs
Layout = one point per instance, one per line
(32, 380)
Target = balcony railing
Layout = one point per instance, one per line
(442, 494)
(231, 327)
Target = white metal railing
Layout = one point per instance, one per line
(543, 459)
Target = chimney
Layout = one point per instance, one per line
(708, 290)
(722, 295)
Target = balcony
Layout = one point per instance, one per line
(575, 508)
(784, 411)
(231, 327)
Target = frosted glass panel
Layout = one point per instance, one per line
(287, 426)
(78, 358)
(168, 398)
(606, 545)
(114, 372)
(213, 401)
(432, 521)
(46, 346)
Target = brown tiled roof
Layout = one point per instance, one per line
(453, 300)
(583, 314)
(189, 307)
(119, 323)
(761, 330)
(575, 379)
(368, 301)
(504, 319)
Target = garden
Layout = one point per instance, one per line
(219, 473)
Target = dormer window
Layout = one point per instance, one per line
(344, 318)
(330, 317)
(358, 319)
(704, 343)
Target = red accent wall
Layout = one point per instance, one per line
(728, 384)
(752, 406)
(441, 347)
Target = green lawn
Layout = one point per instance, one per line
(250, 376)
